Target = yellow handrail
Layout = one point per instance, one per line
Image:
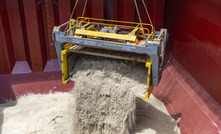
(75, 25)
(125, 22)
(145, 24)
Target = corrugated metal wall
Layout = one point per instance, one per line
(26, 25)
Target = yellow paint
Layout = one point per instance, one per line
(71, 23)
(149, 86)
(110, 44)
(86, 20)
(135, 30)
(135, 42)
(105, 20)
(92, 28)
(142, 33)
(157, 39)
(105, 35)
(86, 25)
(75, 25)
(56, 27)
(64, 65)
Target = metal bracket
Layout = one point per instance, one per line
(64, 66)
(149, 85)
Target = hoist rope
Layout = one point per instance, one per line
(72, 13)
(147, 13)
(138, 13)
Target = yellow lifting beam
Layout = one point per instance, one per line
(105, 35)
(149, 86)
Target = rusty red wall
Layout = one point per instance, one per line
(195, 28)
(7, 58)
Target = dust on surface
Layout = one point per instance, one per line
(39, 114)
(105, 103)
(107, 99)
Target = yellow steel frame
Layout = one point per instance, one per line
(87, 20)
(135, 30)
(71, 23)
(149, 86)
(64, 65)
(65, 73)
